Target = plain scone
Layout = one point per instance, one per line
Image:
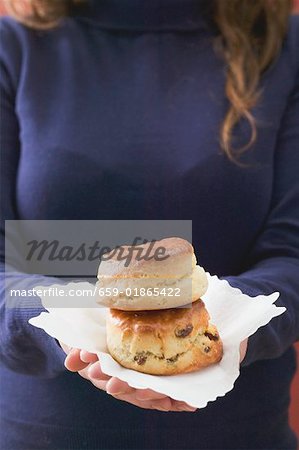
(178, 273)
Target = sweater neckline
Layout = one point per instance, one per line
(148, 15)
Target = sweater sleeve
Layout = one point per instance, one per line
(23, 348)
(273, 263)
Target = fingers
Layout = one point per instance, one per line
(148, 394)
(73, 362)
(145, 398)
(76, 359)
(97, 377)
(118, 387)
(88, 357)
(160, 405)
(100, 384)
(95, 372)
(122, 391)
(179, 406)
(84, 374)
(79, 360)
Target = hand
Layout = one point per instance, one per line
(89, 367)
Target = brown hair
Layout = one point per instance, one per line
(251, 33)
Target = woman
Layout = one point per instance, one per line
(161, 109)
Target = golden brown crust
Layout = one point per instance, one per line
(164, 342)
(176, 249)
(138, 285)
(141, 322)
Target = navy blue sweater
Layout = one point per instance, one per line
(115, 114)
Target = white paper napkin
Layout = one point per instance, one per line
(236, 316)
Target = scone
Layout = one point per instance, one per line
(151, 283)
(163, 342)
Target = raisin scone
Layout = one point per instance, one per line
(164, 342)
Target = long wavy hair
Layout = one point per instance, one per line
(250, 37)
